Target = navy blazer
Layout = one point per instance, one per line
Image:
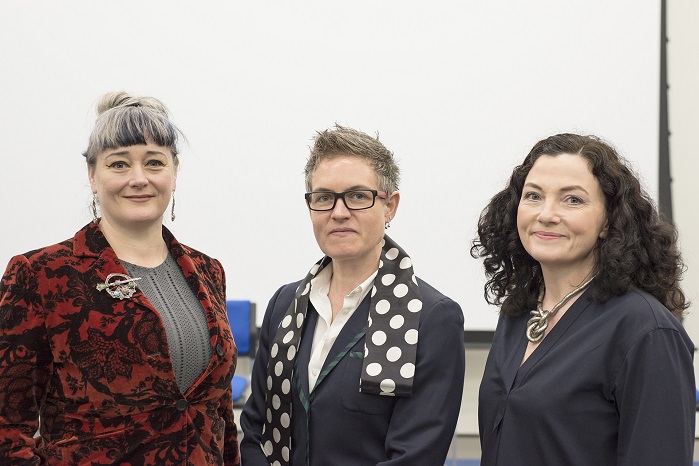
(345, 427)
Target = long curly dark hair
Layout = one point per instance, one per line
(640, 248)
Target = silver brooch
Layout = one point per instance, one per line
(121, 289)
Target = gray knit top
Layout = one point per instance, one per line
(182, 314)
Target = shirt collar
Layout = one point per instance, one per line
(320, 286)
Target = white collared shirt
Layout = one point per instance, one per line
(327, 329)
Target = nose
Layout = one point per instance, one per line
(138, 177)
(340, 211)
(549, 212)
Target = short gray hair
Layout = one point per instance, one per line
(126, 120)
(341, 140)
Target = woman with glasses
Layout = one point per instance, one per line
(115, 343)
(360, 362)
(589, 363)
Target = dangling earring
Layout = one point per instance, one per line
(388, 225)
(172, 212)
(93, 207)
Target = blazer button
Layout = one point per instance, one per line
(219, 350)
(181, 405)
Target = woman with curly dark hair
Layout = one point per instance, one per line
(589, 363)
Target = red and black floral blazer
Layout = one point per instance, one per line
(97, 369)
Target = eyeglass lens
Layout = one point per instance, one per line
(359, 199)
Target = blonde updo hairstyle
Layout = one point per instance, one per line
(125, 120)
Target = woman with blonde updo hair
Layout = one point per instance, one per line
(115, 347)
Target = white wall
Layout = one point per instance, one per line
(683, 78)
(459, 90)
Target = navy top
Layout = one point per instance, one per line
(611, 384)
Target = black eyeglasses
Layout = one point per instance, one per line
(356, 199)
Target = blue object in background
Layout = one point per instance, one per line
(241, 316)
(239, 384)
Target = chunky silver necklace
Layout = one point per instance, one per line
(539, 322)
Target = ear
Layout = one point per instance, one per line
(91, 177)
(176, 164)
(392, 205)
(605, 230)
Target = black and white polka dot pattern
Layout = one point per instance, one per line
(391, 338)
(389, 350)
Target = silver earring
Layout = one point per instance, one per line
(172, 212)
(93, 207)
(388, 225)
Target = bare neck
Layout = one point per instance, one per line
(145, 246)
(561, 281)
(344, 281)
(349, 274)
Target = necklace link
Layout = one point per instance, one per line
(539, 322)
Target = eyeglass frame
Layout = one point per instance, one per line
(375, 193)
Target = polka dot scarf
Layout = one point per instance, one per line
(389, 350)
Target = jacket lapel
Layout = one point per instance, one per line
(348, 339)
(304, 356)
(191, 273)
(90, 242)
(195, 272)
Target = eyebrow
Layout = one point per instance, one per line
(564, 189)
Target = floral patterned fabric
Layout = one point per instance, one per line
(97, 370)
